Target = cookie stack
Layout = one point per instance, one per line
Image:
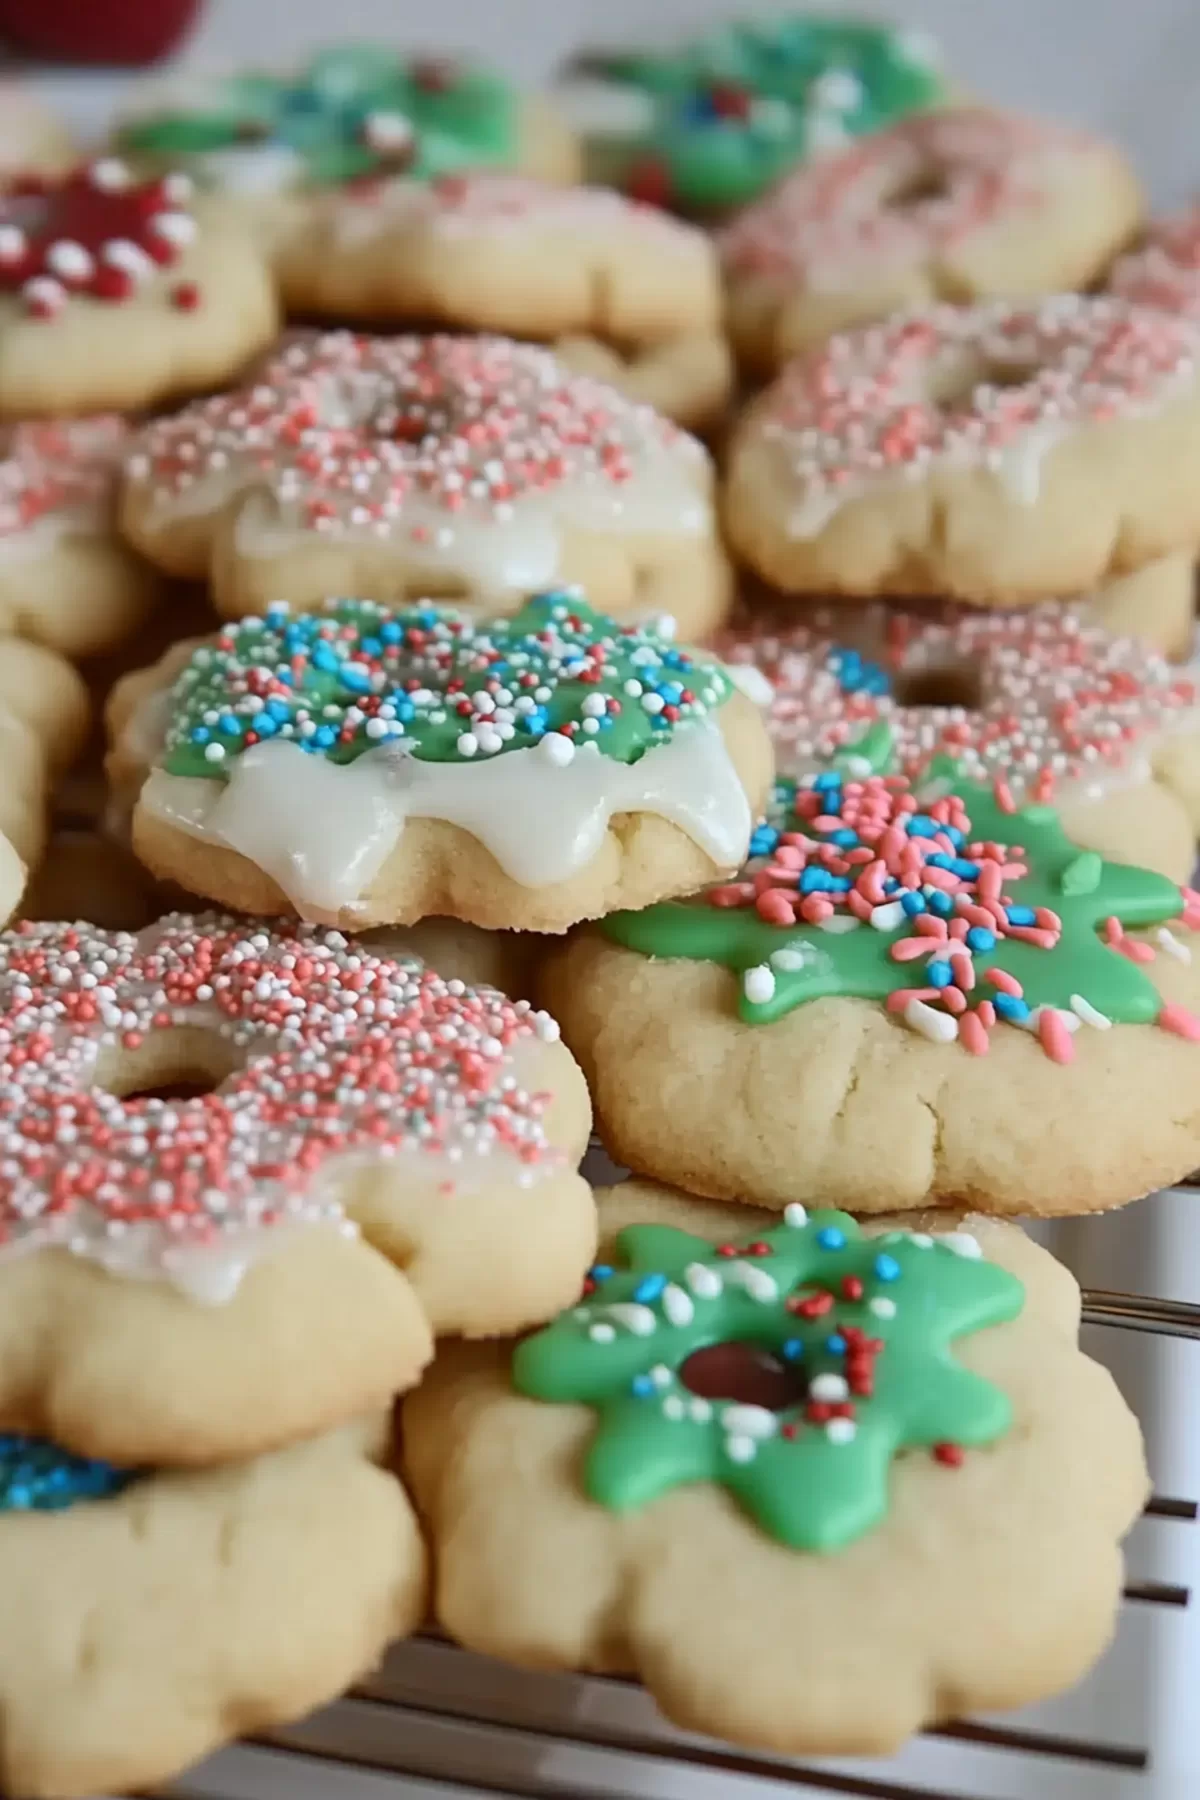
(864, 915)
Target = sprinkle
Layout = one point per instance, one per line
(830, 1238)
(740, 1449)
(881, 1306)
(938, 1027)
(1083, 1009)
(1178, 1020)
(829, 1387)
(841, 1431)
(1172, 945)
(795, 1215)
(755, 1281)
(749, 1421)
(758, 984)
(677, 1305)
(886, 1267)
(705, 1283)
(64, 469)
(635, 1318)
(1054, 1034)
(963, 1243)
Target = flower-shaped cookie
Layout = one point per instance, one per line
(370, 766)
(188, 1601)
(66, 579)
(351, 113)
(213, 1131)
(889, 1413)
(119, 293)
(44, 717)
(708, 126)
(911, 994)
(472, 467)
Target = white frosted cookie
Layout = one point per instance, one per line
(748, 1425)
(66, 579)
(1050, 705)
(121, 293)
(472, 467)
(914, 992)
(44, 717)
(962, 204)
(152, 1614)
(218, 1133)
(996, 454)
(370, 766)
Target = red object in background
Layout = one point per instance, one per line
(126, 33)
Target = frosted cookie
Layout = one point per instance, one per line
(120, 293)
(962, 205)
(907, 998)
(996, 454)
(66, 579)
(153, 1615)
(471, 467)
(44, 718)
(217, 1134)
(274, 143)
(747, 1425)
(368, 766)
(1051, 707)
(1156, 604)
(30, 135)
(1164, 270)
(708, 126)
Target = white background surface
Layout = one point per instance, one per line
(1130, 67)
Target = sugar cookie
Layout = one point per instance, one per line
(471, 467)
(690, 379)
(1157, 604)
(1054, 707)
(30, 135)
(66, 580)
(907, 998)
(44, 717)
(367, 766)
(1164, 271)
(962, 205)
(158, 1302)
(117, 293)
(274, 143)
(151, 1616)
(893, 1433)
(996, 454)
(709, 126)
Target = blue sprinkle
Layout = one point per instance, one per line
(979, 938)
(200, 735)
(814, 881)
(371, 646)
(940, 973)
(649, 1288)
(828, 780)
(600, 1271)
(357, 680)
(324, 736)
(840, 884)
(886, 1267)
(793, 1349)
(265, 725)
(938, 861)
(957, 837)
(671, 692)
(845, 839)
(229, 724)
(675, 659)
(1009, 1007)
(642, 1386)
(279, 710)
(913, 905)
(830, 1238)
(835, 1344)
(939, 902)
(921, 825)
(323, 658)
(1021, 915)
(390, 633)
(968, 870)
(405, 710)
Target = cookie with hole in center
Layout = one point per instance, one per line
(913, 994)
(750, 1423)
(156, 1613)
(996, 454)
(471, 468)
(367, 765)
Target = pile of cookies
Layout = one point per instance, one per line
(483, 653)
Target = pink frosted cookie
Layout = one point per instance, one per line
(1051, 706)
(959, 205)
(996, 454)
(472, 467)
(121, 293)
(1165, 270)
(218, 1133)
(66, 580)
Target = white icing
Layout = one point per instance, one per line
(323, 830)
(605, 109)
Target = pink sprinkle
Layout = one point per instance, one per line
(972, 1033)
(1179, 1020)
(985, 1012)
(1055, 1038)
(929, 925)
(814, 908)
(1006, 983)
(775, 907)
(1033, 934)
(953, 999)
(1004, 800)
(963, 970)
(899, 998)
(910, 948)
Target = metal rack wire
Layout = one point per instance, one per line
(436, 1723)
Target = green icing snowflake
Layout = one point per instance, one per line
(436, 683)
(974, 914)
(351, 113)
(854, 1335)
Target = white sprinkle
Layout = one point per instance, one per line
(1090, 1014)
(673, 1407)
(634, 1316)
(601, 1333)
(963, 1243)
(752, 682)
(700, 1410)
(652, 704)
(109, 173)
(791, 958)
(176, 227)
(832, 1388)
(557, 749)
(1172, 946)
(795, 1215)
(661, 1376)
(214, 753)
(70, 260)
(740, 1449)
(749, 1421)
(594, 707)
(467, 744)
(841, 1431)
(677, 1305)
(387, 130)
(887, 917)
(13, 243)
(1070, 1020)
(839, 922)
(758, 984)
(882, 1307)
(754, 1280)
(938, 1027)
(705, 1283)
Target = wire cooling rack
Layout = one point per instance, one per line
(436, 1723)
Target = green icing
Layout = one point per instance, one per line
(807, 961)
(438, 684)
(865, 1326)
(739, 107)
(460, 116)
